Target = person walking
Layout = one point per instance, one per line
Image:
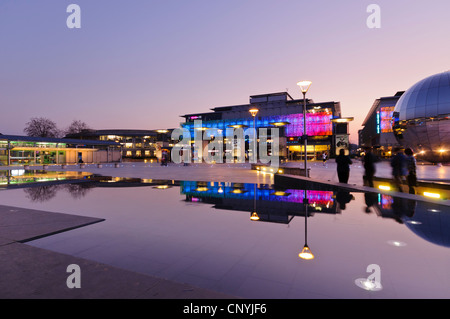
(398, 164)
(343, 166)
(324, 158)
(411, 166)
(369, 161)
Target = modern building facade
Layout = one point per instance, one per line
(26, 150)
(422, 118)
(280, 110)
(377, 127)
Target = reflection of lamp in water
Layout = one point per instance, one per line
(306, 251)
(254, 216)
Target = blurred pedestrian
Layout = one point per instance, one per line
(369, 161)
(324, 158)
(398, 164)
(411, 166)
(343, 166)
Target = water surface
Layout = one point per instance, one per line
(201, 233)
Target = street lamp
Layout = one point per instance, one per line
(304, 87)
(253, 111)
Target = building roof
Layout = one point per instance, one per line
(272, 94)
(120, 132)
(17, 138)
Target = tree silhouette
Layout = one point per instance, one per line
(41, 127)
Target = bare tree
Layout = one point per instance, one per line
(76, 127)
(41, 127)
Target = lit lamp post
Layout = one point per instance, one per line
(304, 87)
(253, 111)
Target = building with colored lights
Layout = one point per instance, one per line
(325, 129)
(26, 150)
(377, 127)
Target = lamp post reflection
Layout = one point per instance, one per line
(254, 216)
(306, 252)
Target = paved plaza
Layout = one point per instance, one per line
(29, 272)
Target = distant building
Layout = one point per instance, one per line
(377, 131)
(136, 144)
(26, 150)
(282, 111)
(422, 118)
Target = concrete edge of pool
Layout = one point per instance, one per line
(285, 180)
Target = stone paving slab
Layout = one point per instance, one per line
(34, 273)
(21, 225)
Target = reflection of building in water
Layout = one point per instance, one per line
(274, 205)
(431, 222)
(427, 220)
(20, 178)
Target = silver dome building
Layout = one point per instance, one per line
(421, 118)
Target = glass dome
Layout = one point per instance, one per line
(421, 118)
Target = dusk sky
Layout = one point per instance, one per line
(141, 63)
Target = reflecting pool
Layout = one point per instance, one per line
(253, 240)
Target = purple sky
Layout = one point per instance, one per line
(142, 63)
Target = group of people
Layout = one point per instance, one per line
(403, 167)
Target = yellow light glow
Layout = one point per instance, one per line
(253, 111)
(432, 195)
(162, 186)
(306, 253)
(254, 216)
(279, 123)
(238, 126)
(441, 151)
(280, 171)
(343, 120)
(384, 187)
(162, 131)
(201, 189)
(238, 191)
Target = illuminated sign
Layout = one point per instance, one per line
(378, 122)
(386, 117)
